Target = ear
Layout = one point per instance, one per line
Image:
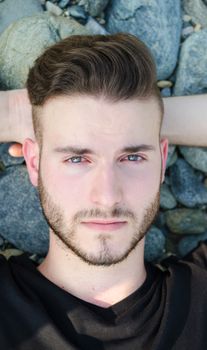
(30, 150)
(164, 154)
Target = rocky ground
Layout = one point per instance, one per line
(176, 33)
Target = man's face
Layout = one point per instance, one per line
(100, 174)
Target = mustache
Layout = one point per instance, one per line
(100, 214)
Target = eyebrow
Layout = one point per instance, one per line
(138, 148)
(80, 151)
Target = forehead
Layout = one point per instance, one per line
(91, 119)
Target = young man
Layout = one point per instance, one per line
(98, 161)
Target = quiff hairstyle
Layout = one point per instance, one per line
(117, 67)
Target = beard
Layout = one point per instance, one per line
(66, 232)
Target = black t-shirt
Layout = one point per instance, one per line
(169, 311)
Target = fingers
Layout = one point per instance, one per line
(15, 150)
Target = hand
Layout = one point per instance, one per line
(20, 116)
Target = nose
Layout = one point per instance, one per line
(106, 189)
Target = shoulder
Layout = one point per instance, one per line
(187, 276)
(195, 262)
(198, 256)
(11, 269)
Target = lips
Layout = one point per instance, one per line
(104, 225)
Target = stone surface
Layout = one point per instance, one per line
(154, 244)
(188, 243)
(197, 27)
(164, 83)
(191, 76)
(157, 23)
(160, 222)
(78, 13)
(187, 31)
(195, 156)
(94, 7)
(2, 167)
(186, 186)
(167, 200)
(1, 240)
(22, 222)
(197, 9)
(63, 3)
(10, 12)
(186, 18)
(42, 30)
(172, 156)
(186, 221)
(166, 92)
(56, 10)
(93, 26)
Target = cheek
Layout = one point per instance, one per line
(67, 191)
(143, 185)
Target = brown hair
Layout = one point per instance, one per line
(117, 66)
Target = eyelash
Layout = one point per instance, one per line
(129, 155)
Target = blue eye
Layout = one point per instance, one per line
(75, 160)
(133, 157)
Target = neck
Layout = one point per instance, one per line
(102, 286)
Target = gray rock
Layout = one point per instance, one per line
(154, 244)
(78, 13)
(172, 156)
(156, 23)
(186, 186)
(187, 244)
(94, 7)
(93, 26)
(167, 180)
(191, 76)
(2, 167)
(186, 19)
(197, 9)
(22, 222)
(160, 222)
(63, 3)
(195, 156)
(167, 200)
(187, 31)
(166, 92)
(1, 241)
(186, 221)
(10, 11)
(164, 84)
(19, 51)
(56, 10)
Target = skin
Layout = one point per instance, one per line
(106, 184)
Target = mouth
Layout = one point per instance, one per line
(104, 225)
